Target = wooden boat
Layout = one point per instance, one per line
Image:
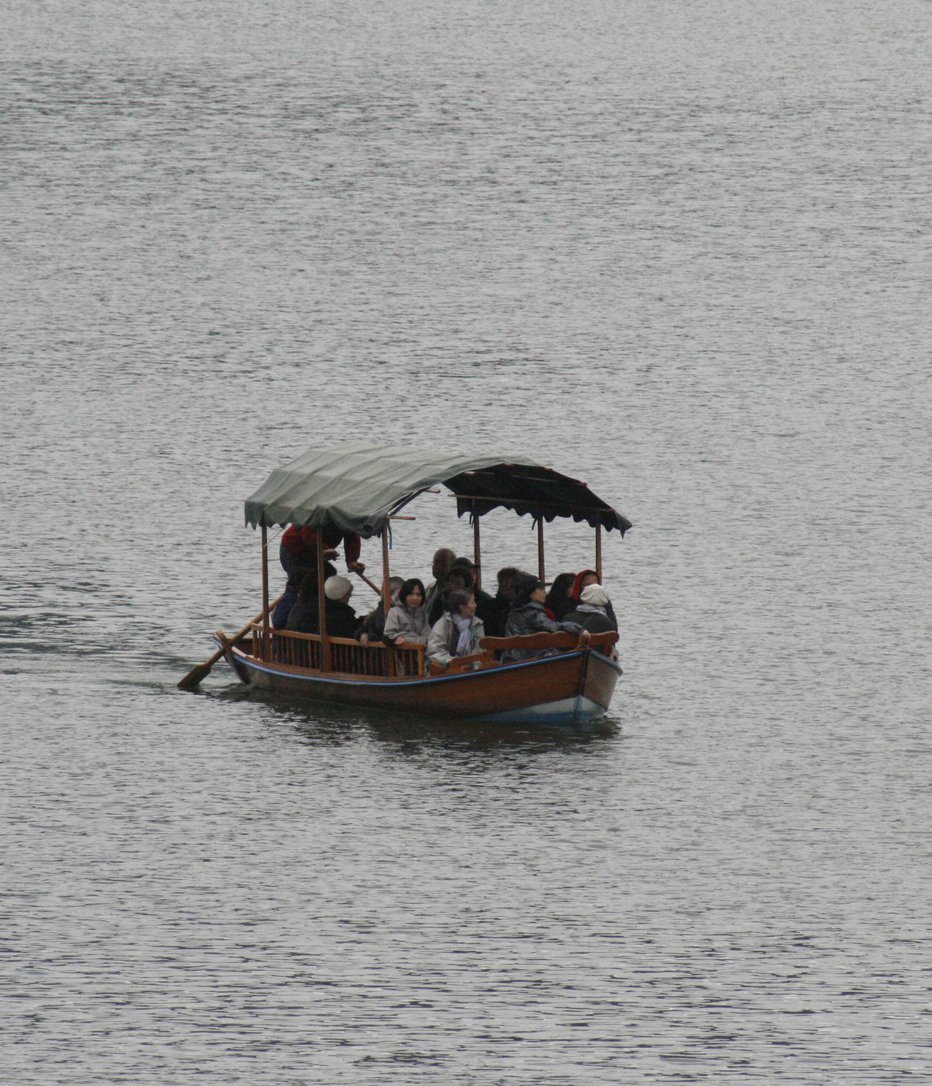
(362, 488)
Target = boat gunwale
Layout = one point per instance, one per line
(406, 681)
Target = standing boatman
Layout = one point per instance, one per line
(298, 550)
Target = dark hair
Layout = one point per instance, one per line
(559, 591)
(408, 587)
(307, 584)
(465, 573)
(525, 586)
(453, 601)
(304, 578)
(506, 578)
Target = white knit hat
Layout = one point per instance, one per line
(335, 588)
(594, 594)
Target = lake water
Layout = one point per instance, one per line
(680, 251)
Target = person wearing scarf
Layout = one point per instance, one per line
(457, 631)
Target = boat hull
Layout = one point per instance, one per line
(571, 689)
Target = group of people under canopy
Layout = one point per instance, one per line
(449, 615)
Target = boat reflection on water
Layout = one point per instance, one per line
(338, 725)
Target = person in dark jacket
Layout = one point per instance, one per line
(342, 620)
(302, 584)
(528, 616)
(592, 614)
(592, 611)
(502, 602)
(457, 579)
(443, 559)
(304, 614)
(485, 604)
(375, 623)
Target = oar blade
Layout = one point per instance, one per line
(195, 677)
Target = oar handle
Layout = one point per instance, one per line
(258, 618)
(375, 588)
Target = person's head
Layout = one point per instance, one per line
(411, 593)
(338, 588)
(561, 588)
(457, 580)
(528, 589)
(462, 603)
(506, 580)
(394, 586)
(595, 595)
(443, 559)
(584, 578)
(464, 570)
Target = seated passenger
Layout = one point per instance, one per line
(485, 604)
(527, 616)
(293, 588)
(443, 559)
(342, 620)
(459, 578)
(304, 616)
(375, 623)
(406, 622)
(592, 610)
(457, 631)
(559, 601)
(584, 578)
(502, 601)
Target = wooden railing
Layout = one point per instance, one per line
(563, 640)
(381, 660)
(346, 655)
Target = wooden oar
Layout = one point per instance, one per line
(375, 588)
(196, 675)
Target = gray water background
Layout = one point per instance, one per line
(679, 250)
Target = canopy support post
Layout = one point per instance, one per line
(387, 595)
(598, 551)
(386, 575)
(540, 548)
(322, 606)
(476, 550)
(266, 635)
